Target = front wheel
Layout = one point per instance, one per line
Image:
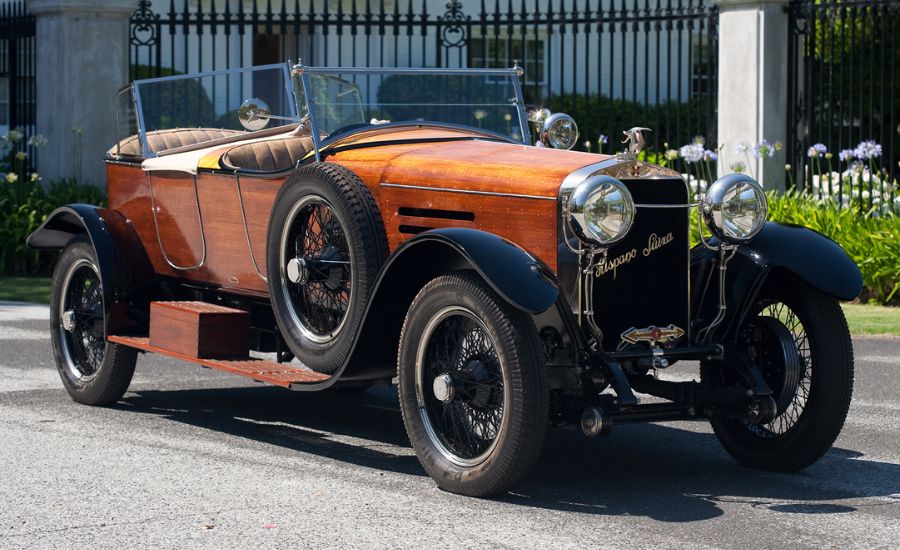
(473, 390)
(93, 370)
(799, 339)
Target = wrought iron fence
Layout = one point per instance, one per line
(610, 63)
(844, 100)
(17, 70)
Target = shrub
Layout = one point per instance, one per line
(596, 114)
(24, 205)
(873, 242)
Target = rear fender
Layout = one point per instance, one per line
(793, 249)
(126, 273)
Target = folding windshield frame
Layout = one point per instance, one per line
(139, 111)
(303, 73)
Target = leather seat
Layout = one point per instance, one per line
(161, 140)
(272, 155)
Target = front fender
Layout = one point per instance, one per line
(807, 254)
(125, 269)
(517, 276)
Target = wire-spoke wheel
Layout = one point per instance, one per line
(472, 386)
(798, 338)
(460, 386)
(326, 243)
(318, 274)
(93, 370)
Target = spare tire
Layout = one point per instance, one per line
(325, 245)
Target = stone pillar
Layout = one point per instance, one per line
(81, 60)
(753, 37)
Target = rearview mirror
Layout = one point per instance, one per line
(254, 114)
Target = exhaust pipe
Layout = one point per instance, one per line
(595, 422)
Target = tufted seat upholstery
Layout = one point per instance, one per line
(170, 139)
(272, 155)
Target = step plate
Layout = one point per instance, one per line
(278, 374)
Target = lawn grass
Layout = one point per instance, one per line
(864, 319)
(25, 289)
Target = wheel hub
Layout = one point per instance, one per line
(778, 359)
(68, 320)
(443, 388)
(297, 271)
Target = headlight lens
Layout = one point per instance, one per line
(735, 208)
(600, 211)
(559, 131)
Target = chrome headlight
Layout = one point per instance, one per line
(735, 208)
(600, 211)
(559, 131)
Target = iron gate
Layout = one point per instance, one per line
(844, 100)
(17, 83)
(610, 63)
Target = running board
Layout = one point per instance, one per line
(270, 372)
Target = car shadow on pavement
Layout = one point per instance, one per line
(663, 472)
(318, 423)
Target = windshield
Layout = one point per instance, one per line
(340, 100)
(209, 102)
(196, 110)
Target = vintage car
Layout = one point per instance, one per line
(319, 228)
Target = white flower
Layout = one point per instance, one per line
(12, 178)
(37, 140)
(479, 114)
(15, 135)
(671, 154)
(817, 150)
(867, 150)
(741, 148)
(692, 153)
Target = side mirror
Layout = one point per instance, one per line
(254, 114)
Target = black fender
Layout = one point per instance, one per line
(126, 273)
(798, 250)
(516, 275)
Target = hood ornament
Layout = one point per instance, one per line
(634, 138)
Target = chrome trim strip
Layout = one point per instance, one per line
(240, 193)
(212, 73)
(409, 70)
(467, 191)
(159, 239)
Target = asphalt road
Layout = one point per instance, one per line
(197, 458)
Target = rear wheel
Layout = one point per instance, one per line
(472, 389)
(799, 339)
(93, 370)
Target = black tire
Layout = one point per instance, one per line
(328, 219)
(815, 412)
(500, 342)
(93, 370)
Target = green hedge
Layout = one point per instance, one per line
(675, 123)
(23, 207)
(873, 242)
